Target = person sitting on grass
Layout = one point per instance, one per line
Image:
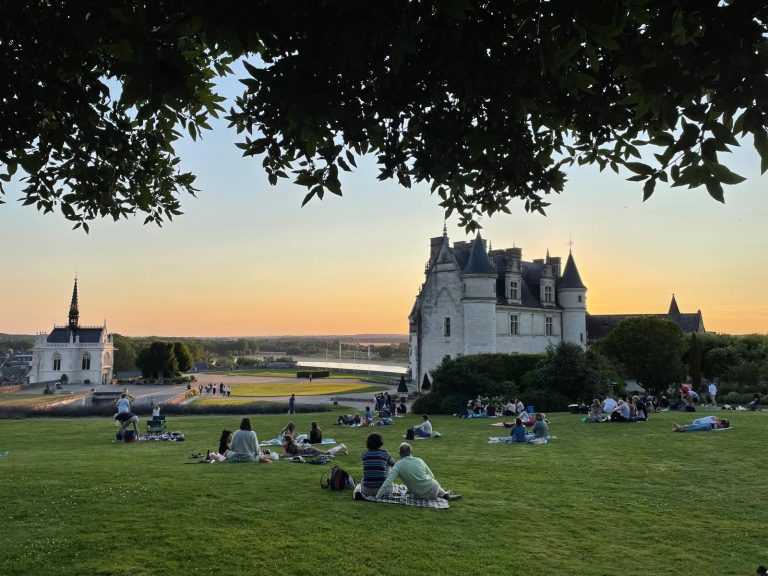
(621, 413)
(754, 404)
(244, 446)
(401, 409)
(703, 425)
(293, 449)
(315, 434)
(596, 412)
(423, 430)
(540, 428)
(518, 431)
(367, 417)
(417, 476)
(290, 428)
(641, 410)
(377, 464)
(126, 419)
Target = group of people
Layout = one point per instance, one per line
(629, 409)
(538, 424)
(224, 391)
(385, 403)
(242, 445)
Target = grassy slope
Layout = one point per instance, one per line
(291, 373)
(602, 499)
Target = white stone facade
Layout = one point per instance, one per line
(85, 354)
(474, 302)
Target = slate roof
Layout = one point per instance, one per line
(600, 325)
(479, 263)
(61, 335)
(570, 277)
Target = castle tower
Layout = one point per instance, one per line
(479, 300)
(74, 312)
(572, 298)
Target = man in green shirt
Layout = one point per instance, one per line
(417, 477)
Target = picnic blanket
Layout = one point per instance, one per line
(276, 442)
(4, 453)
(401, 496)
(164, 437)
(529, 439)
(435, 434)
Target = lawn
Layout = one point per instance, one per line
(303, 389)
(32, 399)
(291, 373)
(601, 499)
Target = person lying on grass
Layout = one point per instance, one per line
(703, 425)
(293, 449)
(417, 476)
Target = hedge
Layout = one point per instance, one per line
(313, 374)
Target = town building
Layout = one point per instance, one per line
(84, 354)
(475, 300)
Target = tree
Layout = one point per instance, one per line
(566, 371)
(486, 101)
(694, 361)
(158, 360)
(125, 354)
(650, 349)
(183, 356)
(425, 383)
(402, 387)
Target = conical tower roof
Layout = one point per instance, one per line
(570, 277)
(478, 262)
(673, 309)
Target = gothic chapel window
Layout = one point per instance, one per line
(56, 362)
(87, 361)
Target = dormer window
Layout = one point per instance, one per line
(514, 290)
(548, 295)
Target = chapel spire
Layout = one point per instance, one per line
(74, 312)
(673, 308)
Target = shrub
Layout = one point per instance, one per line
(735, 398)
(313, 374)
(546, 400)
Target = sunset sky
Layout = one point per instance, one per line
(245, 259)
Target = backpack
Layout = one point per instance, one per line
(409, 434)
(335, 478)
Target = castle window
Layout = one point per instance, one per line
(464, 288)
(447, 327)
(56, 362)
(548, 294)
(581, 336)
(579, 297)
(514, 324)
(548, 326)
(513, 290)
(87, 361)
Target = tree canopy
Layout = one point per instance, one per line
(486, 101)
(649, 349)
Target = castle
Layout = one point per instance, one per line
(475, 301)
(84, 354)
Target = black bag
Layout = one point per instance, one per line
(409, 434)
(334, 479)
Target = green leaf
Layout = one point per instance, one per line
(723, 174)
(567, 52)
(715, 190)
(650, 185)
(639, 168)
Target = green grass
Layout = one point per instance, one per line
(32, 399)
(601, 499)
(291, 373)
(302, 389)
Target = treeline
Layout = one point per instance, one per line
(15, 343)
(225, 351)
